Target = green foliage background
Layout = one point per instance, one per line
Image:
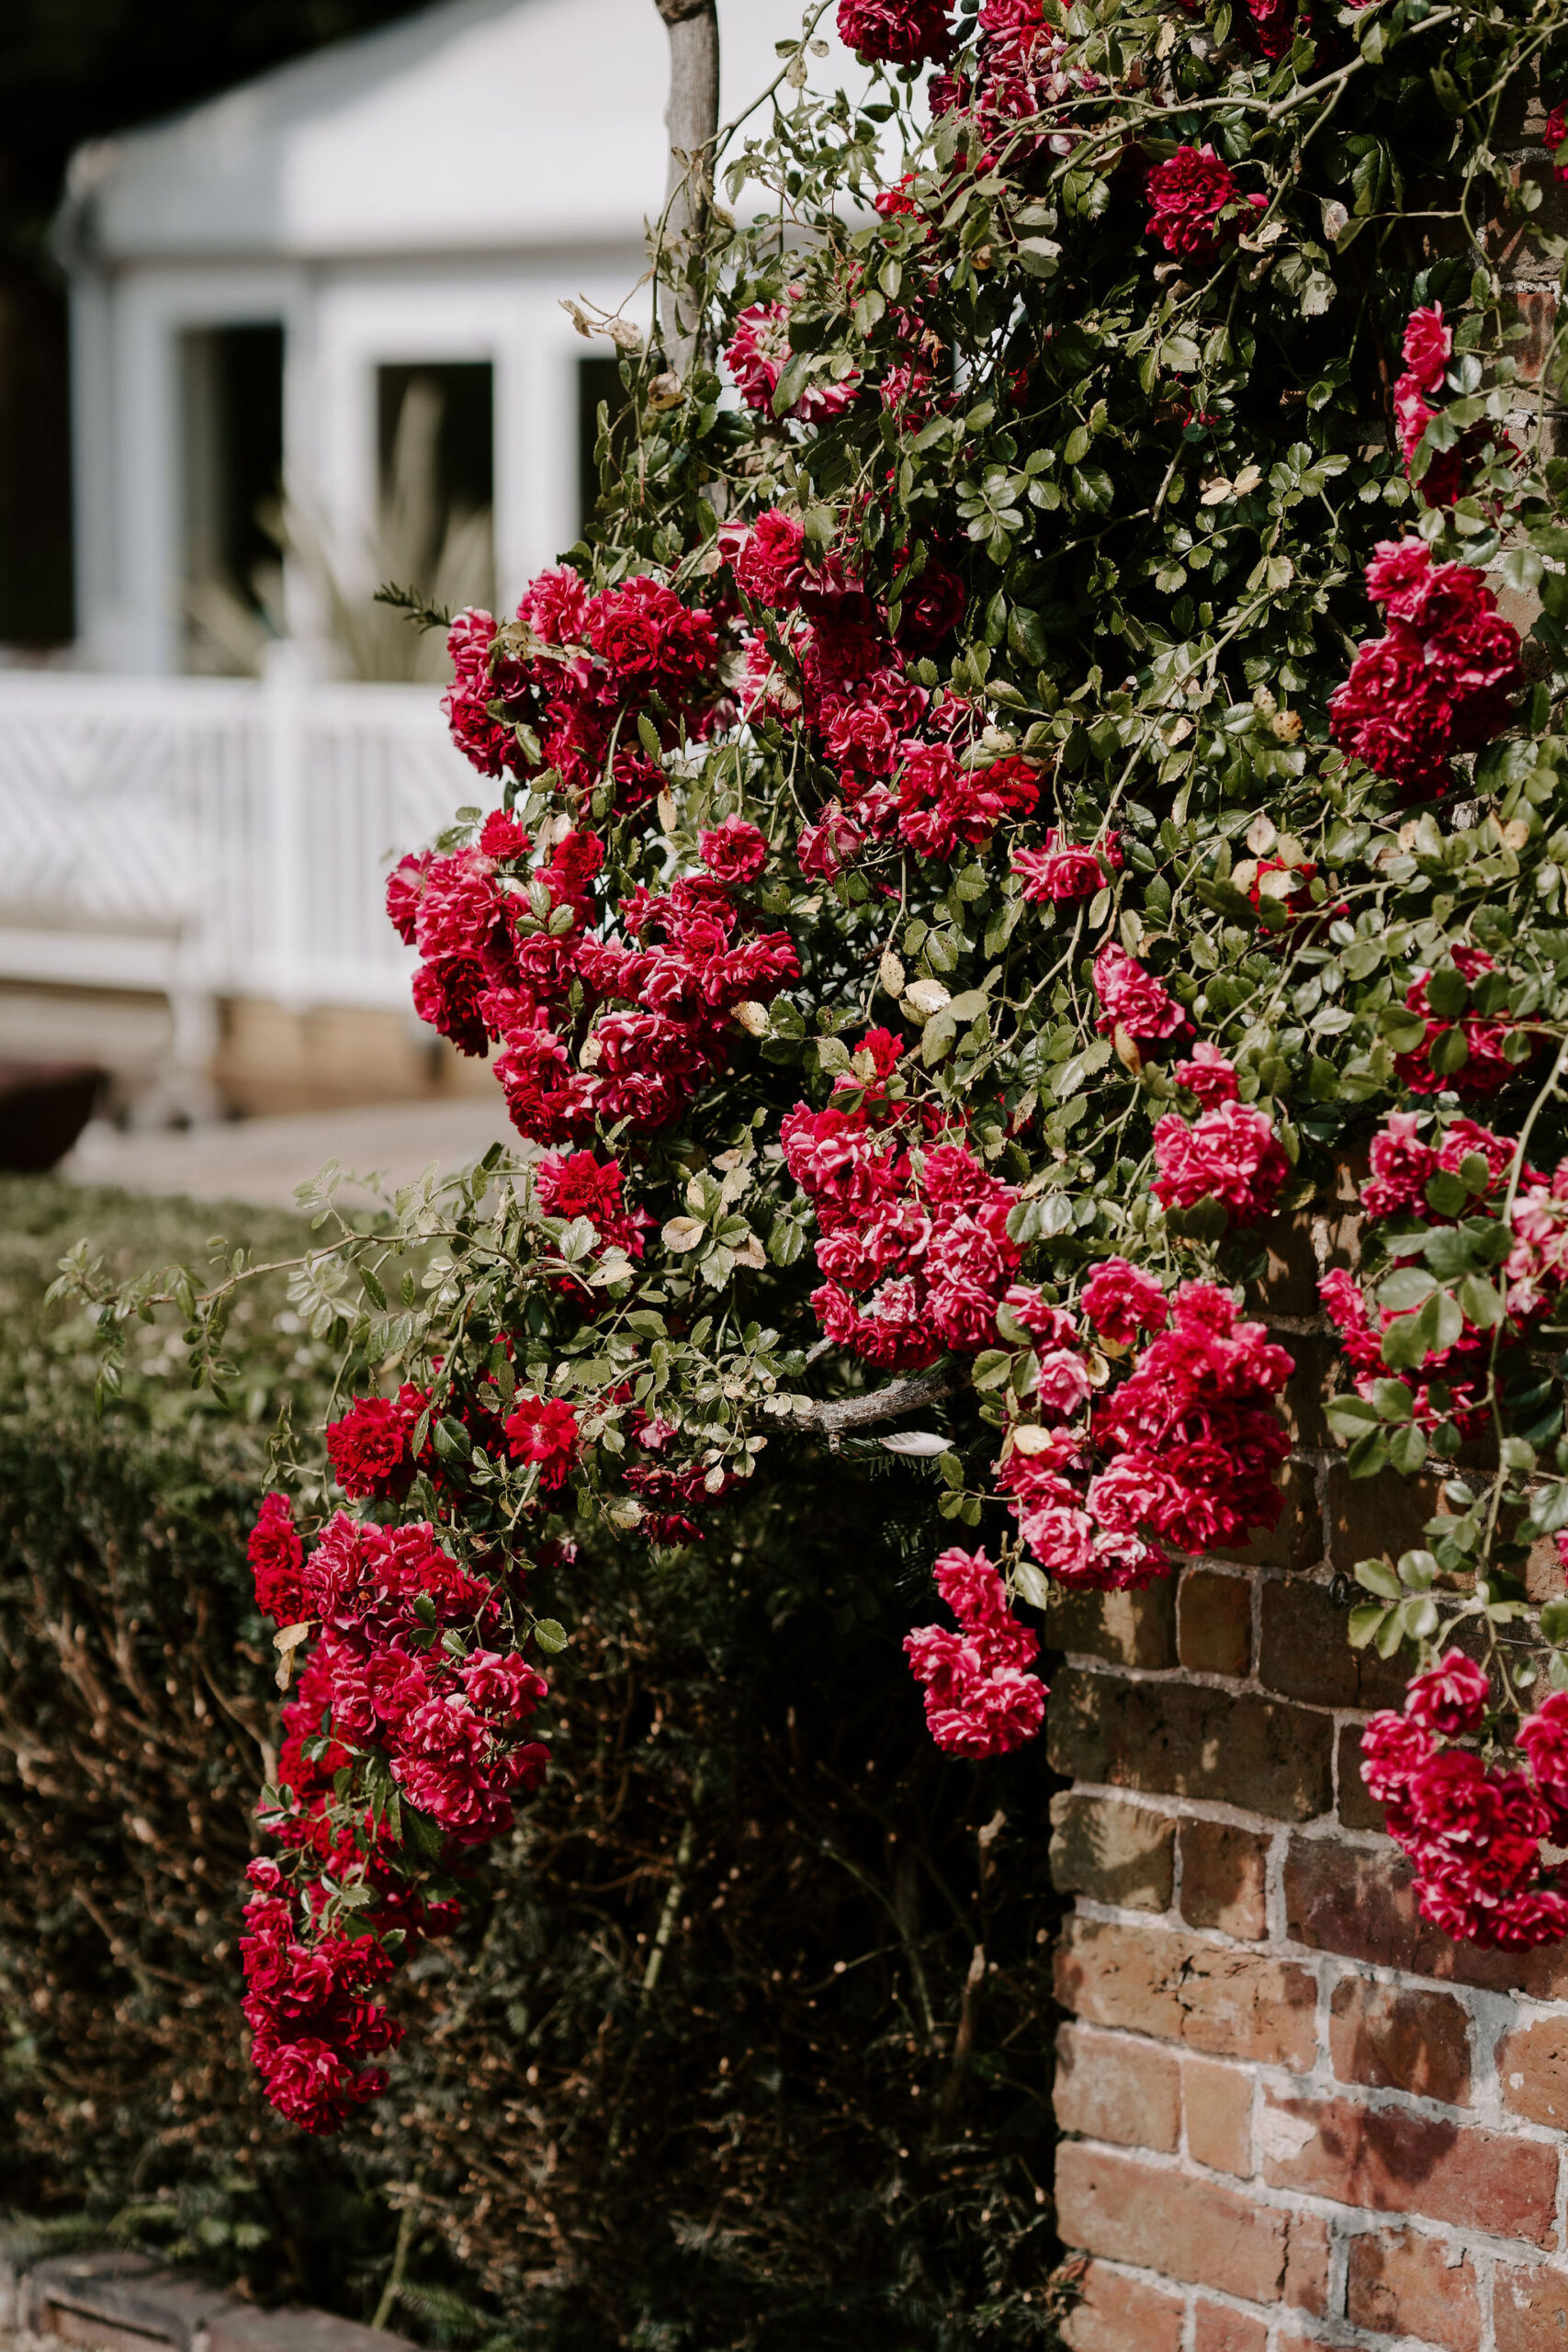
(791, 2136)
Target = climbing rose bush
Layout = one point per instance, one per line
(1049, 759)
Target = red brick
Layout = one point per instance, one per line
(1288, 1285)
(1319, 1366)
(1370, 1517)
(1405, 2285)
(1356, 1900)
(1304, 1651)
(1390, 2161)
(1357, 1809)
(1225, 2003)
(1218, 2104)
(1220, 2327)
(1222, 1875)
(1127, 1628)
(1132, 2209)
(1118, 1853)
(1213, 1623)
(1391, 2039)
(1111, 2087)
(1532, 2068)
(1166, 1738)
(1529, 2310)
(1116, 2312)
(1307, 2270)
(1295, 1540)
(1534, 308)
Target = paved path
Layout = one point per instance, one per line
(259, 1162)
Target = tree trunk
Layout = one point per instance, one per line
(692, 120)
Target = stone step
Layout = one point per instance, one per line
(109, 2301)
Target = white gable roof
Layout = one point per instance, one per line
(477, 125)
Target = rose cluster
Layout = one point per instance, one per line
(1266, 27)
(912, 1232)
(573, 684)
(1019, 77)
(592, 1029)
(909, 763)
(1473, 1833)
(1195, 204)
(1426, 348)
(1229, 1153)
(980, 1700)
(1482, 1065)
(897, 32)
(759, 352)
(1133, 999)
(1409, 1187)
(1442, 681)
(1184, 1450)
(313, 2024)
(400, 1670)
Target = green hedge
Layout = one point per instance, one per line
(824, 2121)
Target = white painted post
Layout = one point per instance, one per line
(284, 917)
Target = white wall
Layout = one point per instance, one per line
(340, 324)
(129, 483)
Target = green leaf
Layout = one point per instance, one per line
(1376, 1575)
(1366, 1622)
(791, 384)
(1448, 1320)
(1410, 1286)
(1481, 1302)
(1447, 1193)
(1447, 91)
(1392, 1400)
(1548, 1510)
(1554, 1623)
(1407, 1450)
(648, 733)
(1403, 1030)
(993, 1367)
(1450, 1052)
(1093, 490)
(550, 1635)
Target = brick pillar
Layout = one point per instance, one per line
(1293, 2114)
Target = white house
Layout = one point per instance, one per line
(255, 282)
(254, 286)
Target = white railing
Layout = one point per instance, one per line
(214, 837)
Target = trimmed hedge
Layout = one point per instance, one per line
(821, 2115)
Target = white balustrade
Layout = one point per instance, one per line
(213, 837)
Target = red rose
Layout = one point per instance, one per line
(1187, 196)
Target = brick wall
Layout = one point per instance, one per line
(1292, 2114)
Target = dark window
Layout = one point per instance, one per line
(233, 456)
(446, 410)
(598, 384)
(36, 596)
